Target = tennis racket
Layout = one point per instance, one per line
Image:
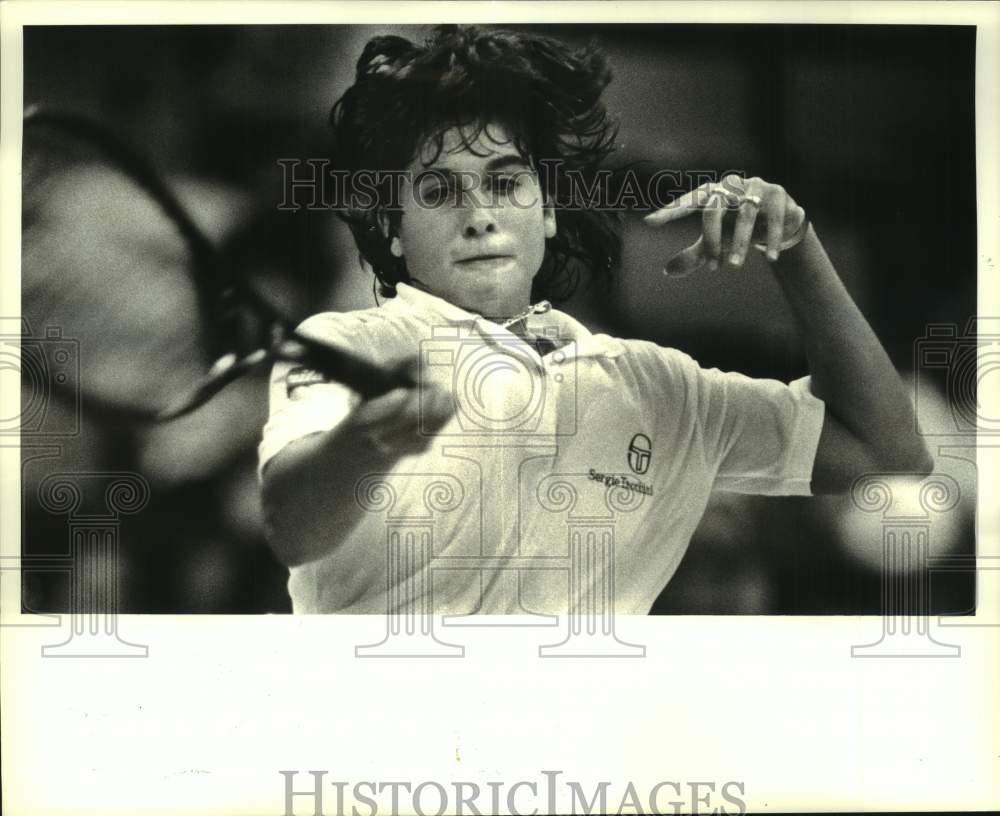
(112, 256)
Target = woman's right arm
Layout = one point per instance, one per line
(308, 487)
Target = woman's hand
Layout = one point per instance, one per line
(308, 489)
(734, 213)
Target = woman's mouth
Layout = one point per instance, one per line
(485, 262)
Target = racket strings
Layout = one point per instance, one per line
(110, 252)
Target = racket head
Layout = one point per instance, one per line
(112, 259)
(104, 265)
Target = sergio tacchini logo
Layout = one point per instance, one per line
(640, 449)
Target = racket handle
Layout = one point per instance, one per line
(367, 379)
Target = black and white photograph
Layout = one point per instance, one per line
(641, 360)
(534, 339)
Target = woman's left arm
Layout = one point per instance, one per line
(869, 423)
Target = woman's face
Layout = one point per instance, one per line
(474, 223)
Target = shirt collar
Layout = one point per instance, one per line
(433, 310)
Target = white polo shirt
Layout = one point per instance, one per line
(584, 471)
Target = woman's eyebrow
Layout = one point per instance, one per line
(497, 165)
(512, 160)
(507, 162)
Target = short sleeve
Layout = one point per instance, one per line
(756, 435)
(301, 403)
(301, 400)
(763, 433)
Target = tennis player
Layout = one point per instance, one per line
(523, 420)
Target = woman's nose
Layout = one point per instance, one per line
(479, 220)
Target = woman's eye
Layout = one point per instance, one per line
(436, 194)
(503, 184)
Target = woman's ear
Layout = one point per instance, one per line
(385, 226)
(549, 220)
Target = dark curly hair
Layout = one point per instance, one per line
(546, 95)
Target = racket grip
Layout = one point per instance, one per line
(367, 379)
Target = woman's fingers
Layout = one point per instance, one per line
(759, 208)
(753, 201)
(374, 412)
(712, 217)
(682, 207)
(437, 407)
(687, 260)
(776, 213)
(404, 420)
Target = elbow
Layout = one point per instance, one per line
(917, 462)
(926, 464)
(286, 545)
(921, 461)
(280, 542)
(285, 541)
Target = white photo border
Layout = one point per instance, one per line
(222, 704)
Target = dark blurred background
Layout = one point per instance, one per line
(870, 128)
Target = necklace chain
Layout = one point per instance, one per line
(539, 308)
